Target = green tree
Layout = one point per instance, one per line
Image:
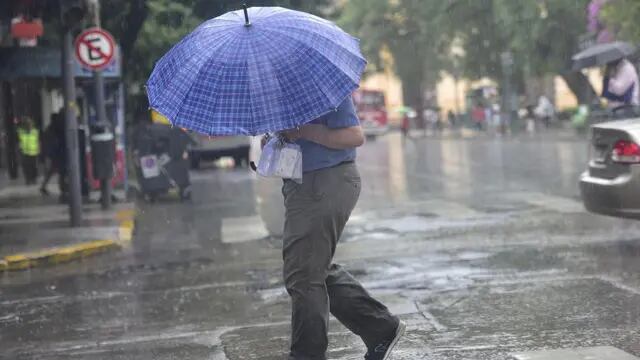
(410, 30)
(146, 29)
(623, 15)
(423, 37)
(209, 9)
(542, 36)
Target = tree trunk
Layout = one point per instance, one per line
(135, 20)
(412, 96)
(581, 87)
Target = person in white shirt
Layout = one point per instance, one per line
(620, 86)
(545, 111)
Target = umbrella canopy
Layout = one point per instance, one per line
(602, 54)
(270, 70)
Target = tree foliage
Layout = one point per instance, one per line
(623, 15)
(409, 31)
(468, 37)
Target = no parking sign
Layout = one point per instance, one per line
(95, 49)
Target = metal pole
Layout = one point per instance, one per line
(101, 112)
(73, 155)
(105, 184)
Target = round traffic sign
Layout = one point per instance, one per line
(95, 48)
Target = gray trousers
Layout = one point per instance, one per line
(316, 213)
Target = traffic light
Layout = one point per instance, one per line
(72, 12)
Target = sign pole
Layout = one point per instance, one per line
(73, 156)
(101, 112)
(95, 49)
(105, 183)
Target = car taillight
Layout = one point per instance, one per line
(626, 152)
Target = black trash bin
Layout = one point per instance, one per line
(103, 154)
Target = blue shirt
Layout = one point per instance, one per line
(316, 156)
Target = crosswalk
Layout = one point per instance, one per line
(415, 216)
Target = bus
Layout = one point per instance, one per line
(372, 112)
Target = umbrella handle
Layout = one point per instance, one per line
(246, 15)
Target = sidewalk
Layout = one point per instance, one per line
(35, 231)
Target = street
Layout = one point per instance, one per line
(480, 244)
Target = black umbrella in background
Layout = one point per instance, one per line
(602, 54)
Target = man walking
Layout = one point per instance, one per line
(316, 213)
(29, 139)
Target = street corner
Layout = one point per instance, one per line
(127, 222)
(95, 240)
(58, 255)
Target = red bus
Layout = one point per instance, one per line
(372, 111)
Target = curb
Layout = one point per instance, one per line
(69, 253)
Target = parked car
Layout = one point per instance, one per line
(611, 184)
(371, 109)
(211, 148)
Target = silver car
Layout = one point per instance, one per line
(210, 148)
(611, 184)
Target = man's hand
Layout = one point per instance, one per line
(292, 135)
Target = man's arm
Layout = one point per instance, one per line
(339, 139)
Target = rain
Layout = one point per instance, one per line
(463, 174)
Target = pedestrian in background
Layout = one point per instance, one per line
(29, 139)
(452, 119)
(478, 115)
(530, 120)
(316, 213)
(620, 85)
(545, 111)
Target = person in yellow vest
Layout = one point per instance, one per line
(29, 138)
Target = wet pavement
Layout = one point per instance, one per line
(481, 245)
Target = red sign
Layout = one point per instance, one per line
(95, 48)
(22, 29)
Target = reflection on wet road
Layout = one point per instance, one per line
(480, 244)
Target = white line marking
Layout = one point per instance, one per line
(243, 229)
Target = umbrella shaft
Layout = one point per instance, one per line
(246, 15)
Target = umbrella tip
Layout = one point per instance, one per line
(246, 15)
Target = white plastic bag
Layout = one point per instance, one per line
(150, 167)
(281, 159)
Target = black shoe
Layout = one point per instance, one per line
(44, 191)
(383, 350)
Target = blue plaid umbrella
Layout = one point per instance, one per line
(266, 70)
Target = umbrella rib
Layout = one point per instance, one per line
(186, 95)
(354, 51)
(275, 73)
(327, 97)
(354, 77)
(224, 39)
